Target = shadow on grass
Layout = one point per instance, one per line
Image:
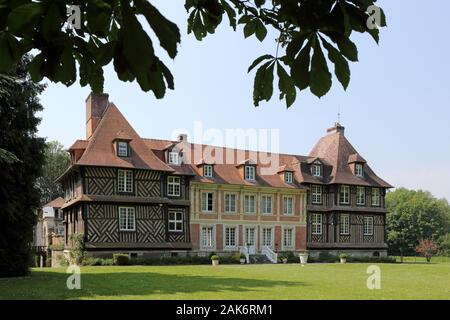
(52, 285)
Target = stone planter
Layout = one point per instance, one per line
(215, 262)
(242, 261)
(284, 260)
(303, 257)
(343, 260)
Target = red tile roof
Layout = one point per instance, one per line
(55, 203)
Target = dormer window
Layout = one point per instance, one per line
(288, 177)
(122, 149)
(316, 170)
(207, 171)
(249, 173)
(173, 157)
(359, 169)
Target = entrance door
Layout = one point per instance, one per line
(250, 239)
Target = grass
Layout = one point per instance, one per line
(292, 281)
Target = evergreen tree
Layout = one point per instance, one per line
(19, 197)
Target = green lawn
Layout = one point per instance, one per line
(314, 281)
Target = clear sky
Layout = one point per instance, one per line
(396, 110)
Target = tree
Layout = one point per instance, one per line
(110, 31)
(427, 248)
(56, 162)
(19, 196)
(414, 215)
(444, 245)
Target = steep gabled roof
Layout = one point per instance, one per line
(55, 203)
(100, 148)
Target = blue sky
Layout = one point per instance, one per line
(396, 110)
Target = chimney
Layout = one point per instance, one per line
(337, 128)
(182, 137)
(96, 105)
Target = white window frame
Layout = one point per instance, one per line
(230, 206)
(208, 171)
(376, 198)
(125, 180)
(173, 186)
(368, 228)
(127, 219)
(344, 224)
(290, 245)
(288, 206)
(266, 204)
(345, 194)
(249, 196)
(248, 234)
(122, 148)
(250, 173)
(288, 177)
(360, 197)
(359, 169)
(174, 157)
(316, 169)
(316, 194)
(316, 223)
(205, 201)
(263, 237)
(211, 238)
(228, 237)
(177, 221)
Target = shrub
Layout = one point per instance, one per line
(62, 260)
(215, 257)
(121, 259)
(444, 245)
(366, 259)
(427, 248)
(77, 254)
(343, 256)
(325, 256)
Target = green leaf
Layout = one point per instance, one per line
(98, 16)
(260, 30)
(250, 28)
(295, 45)
(259, 60)
(230, 13)
(346, 46)
(34, 67)
(341, 68)
(24, 16)
(263, 84)
(286, 86)
(52, 22)
(320, 77)
(66, 73)
(198, 27)
(10, 51)
(300, 68)
(166, 31)
(105, 53)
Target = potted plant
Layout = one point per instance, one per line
(283, 258)
(343, 257)
(242, 258)
(303, 257)
(215, 260)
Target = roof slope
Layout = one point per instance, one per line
(55, 203)
(100, 148)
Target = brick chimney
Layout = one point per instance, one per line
(96, 105)
(337, 128)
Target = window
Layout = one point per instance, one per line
(376, 197)
(316, 223)
(250, 236)
(360, 195)
(207, 237)
(288, 177)
(266, 204)
(175, 221)
(267, 237)
(207, 201)
(249, 203)
(316, 194)
(368, 226)
(122, 148)
(230, 237)
(127, 219)
(125, 180)
(344, 195)
(173, 186)
(208, 170)
(287, 205)
(359, 169)
(249, 172)
(316, 170)
(230, 202)
(288, 238)
(344, 224)
(173, 157)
